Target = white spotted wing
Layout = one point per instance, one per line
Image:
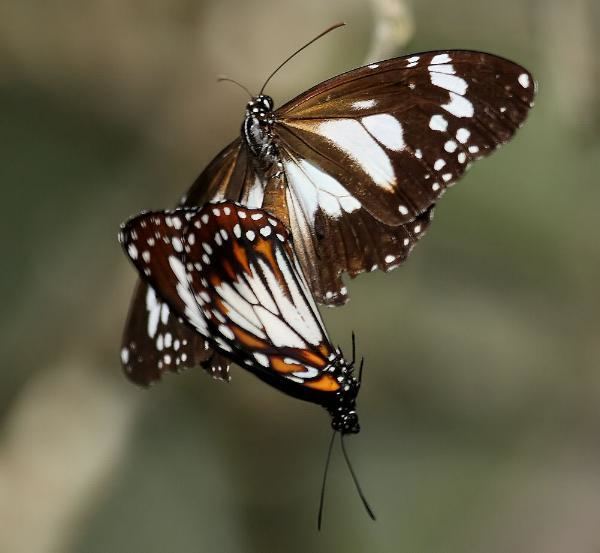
(231, 275)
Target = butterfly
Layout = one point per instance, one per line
(230, 274)
(353, 167)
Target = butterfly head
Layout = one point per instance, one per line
(260, 105)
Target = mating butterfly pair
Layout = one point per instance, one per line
(353, 168)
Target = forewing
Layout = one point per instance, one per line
(396, 133)
(366, 154)
(254, 297)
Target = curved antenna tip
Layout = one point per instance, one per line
(225, 78)
(328, 30)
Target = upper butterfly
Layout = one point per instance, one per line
(354, 165)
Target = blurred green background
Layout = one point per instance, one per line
(480, 409)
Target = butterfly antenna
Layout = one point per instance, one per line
(358, 488)
(222, 78)
(328, 30)
(353, 348)
(320, 517)
(362, 362)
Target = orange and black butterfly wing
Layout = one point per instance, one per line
(258, 306)
(367, 153)
(230, 273)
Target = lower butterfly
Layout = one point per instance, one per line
(231, 275)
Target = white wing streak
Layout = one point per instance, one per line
(316, 189)
(313, 330)
(258, 288)
(192, 309)
(352, 138)
(280, 334)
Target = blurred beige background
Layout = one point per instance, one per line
(480, 409)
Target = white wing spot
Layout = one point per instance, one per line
(237, 230)
(438, 123)
(449, 82)
(227, 332)
(462, 157)
(364, 104)
(262, 359)
(524, 80)
(216, 211)
(124, 356)
(462, 135)
(435, 187)
(250, 235)
(133, 251)
(459, 106)
(418, 153)
(403, 209)
(256, 216)
(373, 66)
(447, 177)
(389, 258)
(265, 231)
(473, 149)
(440, 58)
(439, 164)
(177, 245)
(450, 146)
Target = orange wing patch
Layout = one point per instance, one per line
(325, 383)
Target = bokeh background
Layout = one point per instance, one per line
(480, 408)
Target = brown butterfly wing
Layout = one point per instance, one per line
(228, 176)
(366, 154)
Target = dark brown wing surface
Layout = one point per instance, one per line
(366, 154)
(143, 345)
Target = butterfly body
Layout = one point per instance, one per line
(257, 133)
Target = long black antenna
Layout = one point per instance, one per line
(320, 517)
(358, 488)
(328, 30)
(353, 348)
(222, 78)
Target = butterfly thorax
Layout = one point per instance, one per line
(344, 417)
(257, 133)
